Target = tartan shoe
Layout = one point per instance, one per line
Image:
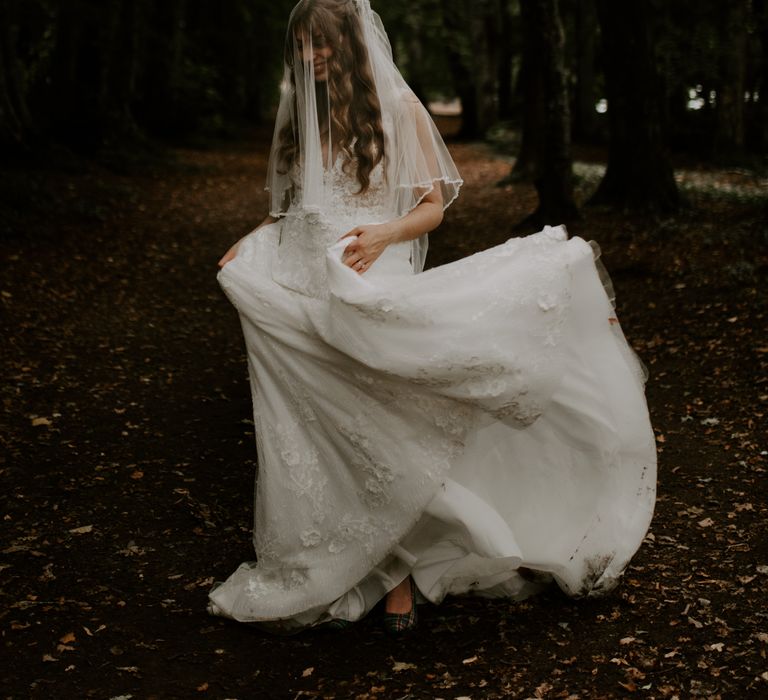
(397, 623)
(335, 624)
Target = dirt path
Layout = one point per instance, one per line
(128, 456)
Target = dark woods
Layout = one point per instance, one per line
(645, 77)
(92, 73)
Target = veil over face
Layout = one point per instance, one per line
(344, 103)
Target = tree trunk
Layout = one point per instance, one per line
(471, 49)
(485, 30)
(729, 109)
(162, 104)
(455, 18)
(761, 21)
(526, 167)
(465, 90)
(505, 59)
(118, 70)
(553, 164)
(413, 50)
(15, 120)
(585, 121)
(73, 93)
(639, 174)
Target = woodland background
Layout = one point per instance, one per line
(647, 76)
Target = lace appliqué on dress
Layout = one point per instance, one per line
(306, 479)
(306, 233)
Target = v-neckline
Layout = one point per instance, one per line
(333, 164)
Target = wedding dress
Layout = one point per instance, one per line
(481, 425)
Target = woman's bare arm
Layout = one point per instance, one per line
(372, 239)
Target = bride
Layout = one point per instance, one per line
(479, 427)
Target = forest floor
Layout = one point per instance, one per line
(128, 452)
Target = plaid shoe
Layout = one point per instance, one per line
(335, 624)
(397, 623)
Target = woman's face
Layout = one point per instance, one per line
(314, 48)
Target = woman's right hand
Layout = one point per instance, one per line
(231, 254)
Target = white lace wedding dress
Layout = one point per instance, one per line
(481, 425)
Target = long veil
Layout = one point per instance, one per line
(319, 97)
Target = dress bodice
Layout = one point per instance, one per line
(342, 202)
(307, 231)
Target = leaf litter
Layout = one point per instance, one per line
(130, 464)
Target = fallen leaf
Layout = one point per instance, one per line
(470, 660)
(307, 672)
(81, 530)
(707, 522)
(15, 548)
(402, 666)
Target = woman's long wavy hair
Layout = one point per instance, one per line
(355, 110)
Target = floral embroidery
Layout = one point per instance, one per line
(264, 581)
(300, 457)
(311, 538)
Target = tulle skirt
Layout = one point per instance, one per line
(481, 426)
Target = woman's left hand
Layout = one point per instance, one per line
(369, 244)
